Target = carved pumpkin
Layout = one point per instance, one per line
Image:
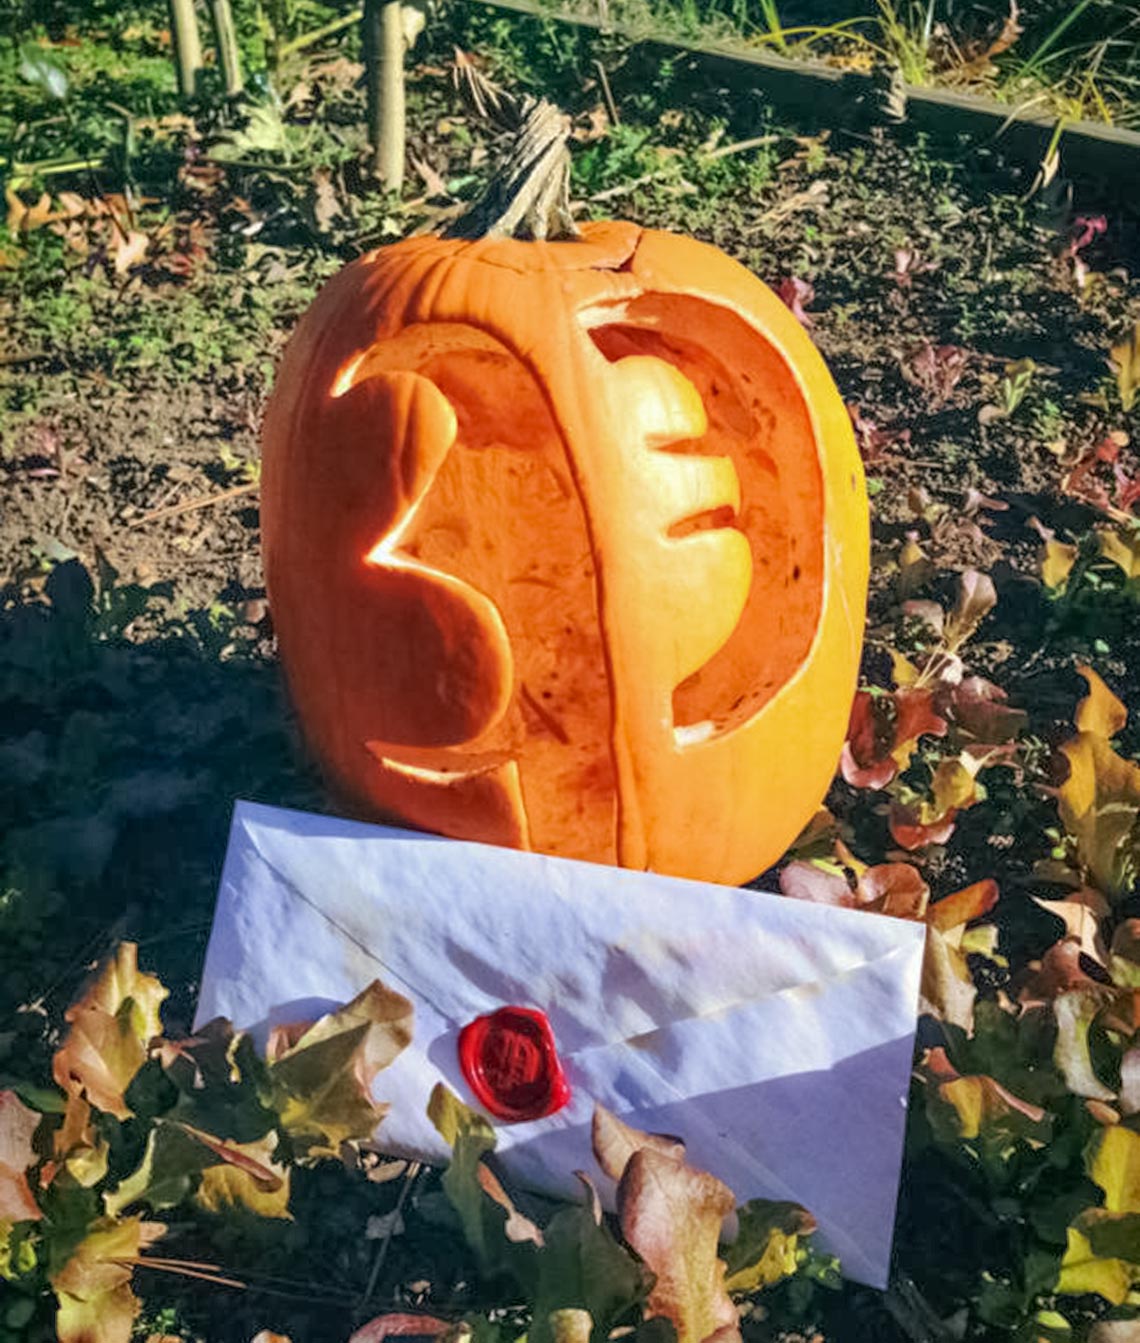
(566, 545)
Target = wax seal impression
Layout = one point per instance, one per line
(511, 1063)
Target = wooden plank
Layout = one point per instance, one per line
(825, 92)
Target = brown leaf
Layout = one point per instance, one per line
(111, 1026)
(883, 733)
(77, 1147)
(671, 1215)
(1082, 914)
(615, 1143)
(896, 889)
(17, 1126)
(979, 1105)
(977, 597)
(979, 708)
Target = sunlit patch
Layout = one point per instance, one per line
(347, 376)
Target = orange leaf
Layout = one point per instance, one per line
(896, 889)
(952, 911)
(1100, 712)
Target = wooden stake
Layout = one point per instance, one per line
(187, 45)
(384, 61)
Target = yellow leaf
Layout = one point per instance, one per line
(1126, 357)
(78, 1146)
(1100, 712)
(1123, 551)
(111, 1026)
(1115, 1166)
(96, 1304)
(24, 218)
(259, 1183)
(904, 672)
(1082, 1271)
(1057, 560)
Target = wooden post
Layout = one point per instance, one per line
(384, 60)
(225, 37)
(187, 45)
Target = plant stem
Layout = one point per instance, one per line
(187, 45)
(319, 34)
(225, 36)
(530, 196)
(384, 64)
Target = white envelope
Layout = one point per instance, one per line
(774, 1036)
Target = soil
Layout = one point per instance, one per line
(128, 726)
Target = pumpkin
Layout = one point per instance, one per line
(566, 546)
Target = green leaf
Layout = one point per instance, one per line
(582, 1266)
(484, 1219)
(221, 1081)
(764, 1250)
(321, 1084)
(169, 1170)
(37, 68)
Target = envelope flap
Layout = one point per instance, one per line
(607, 953)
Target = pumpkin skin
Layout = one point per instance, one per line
(567, 546)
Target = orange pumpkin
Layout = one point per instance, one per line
(566, 545)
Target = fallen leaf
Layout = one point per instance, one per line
(1099, 801)
(895, 889)
(766, 1244)
(796, 294)
(1121, 549)
(93, 1287)
(615, 1143)
(1126, 362)
(977, 597)
(1075, 1011)
(1082, 914)
(883, 733)
(77, 1147)
(947, 991)
(956, 910)
(17, 1127)
(1100, 712)
(671, 1215)
(399, 1324)
(110, 1028)
(518, 1228)
(967, 1107)
(570, 1325)
(322, 1082)
(245, 1175)
(820, 883)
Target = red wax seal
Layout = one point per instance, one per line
(511, 1064)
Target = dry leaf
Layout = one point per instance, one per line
(110, 1028)
(671, 1215)
(17, 1125)
(93, 1287)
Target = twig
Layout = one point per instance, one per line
(414, 1168)
(224, 496)
(347, 20)
(607, 94)
(741, 146)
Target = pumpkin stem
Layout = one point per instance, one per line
(529, 197)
